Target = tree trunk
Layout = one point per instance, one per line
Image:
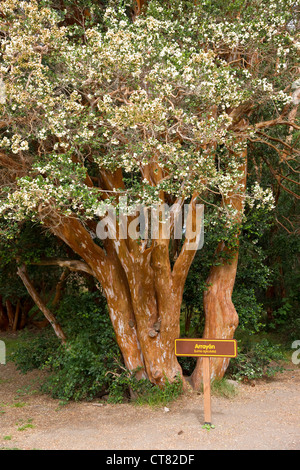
(16, 319)
(27, 305)
(221, 319)
(143, 294)
(10, 313)
(221, 316)
(3, 317)
(106, 268)
(59, 288)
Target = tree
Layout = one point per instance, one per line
(159, 108)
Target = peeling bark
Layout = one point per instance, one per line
(143, 294)
(221, 319)
(108, 271)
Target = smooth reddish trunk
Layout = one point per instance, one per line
(221, 319)
(145, 324)
(143, 294)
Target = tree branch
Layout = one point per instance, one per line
(275, 122)
(73, 265)
(22, 272)
(187, 253)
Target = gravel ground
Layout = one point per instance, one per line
(264, 416)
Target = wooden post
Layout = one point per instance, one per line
(206, 348)
(206, 390)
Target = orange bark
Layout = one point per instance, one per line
(143, 294)
(221, 318)
(139, 6)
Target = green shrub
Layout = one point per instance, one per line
(286, 319)
(256, 361)
(142, 391)
(33, 350)
(249, 310)
(90, 364)
(79, 369)
(153, 395)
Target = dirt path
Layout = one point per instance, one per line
(265, 416)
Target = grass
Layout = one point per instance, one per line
(9, 448)
(2, 405)
(18, 404)
(223, 388)
(26, 425)
(155, 396)
(12, 342)
(5, 381)
(10, 346)
(30, 389)
(208, 426)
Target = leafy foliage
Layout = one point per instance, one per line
(79, 369)
(129, 90)
(90, 365)
(34, 350)
(142, 391)
(89, 90)
(261, 359)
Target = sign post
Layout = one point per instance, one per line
(206, 390)
(206, 348)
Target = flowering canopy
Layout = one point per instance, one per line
(165, 98)
(155, 107)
